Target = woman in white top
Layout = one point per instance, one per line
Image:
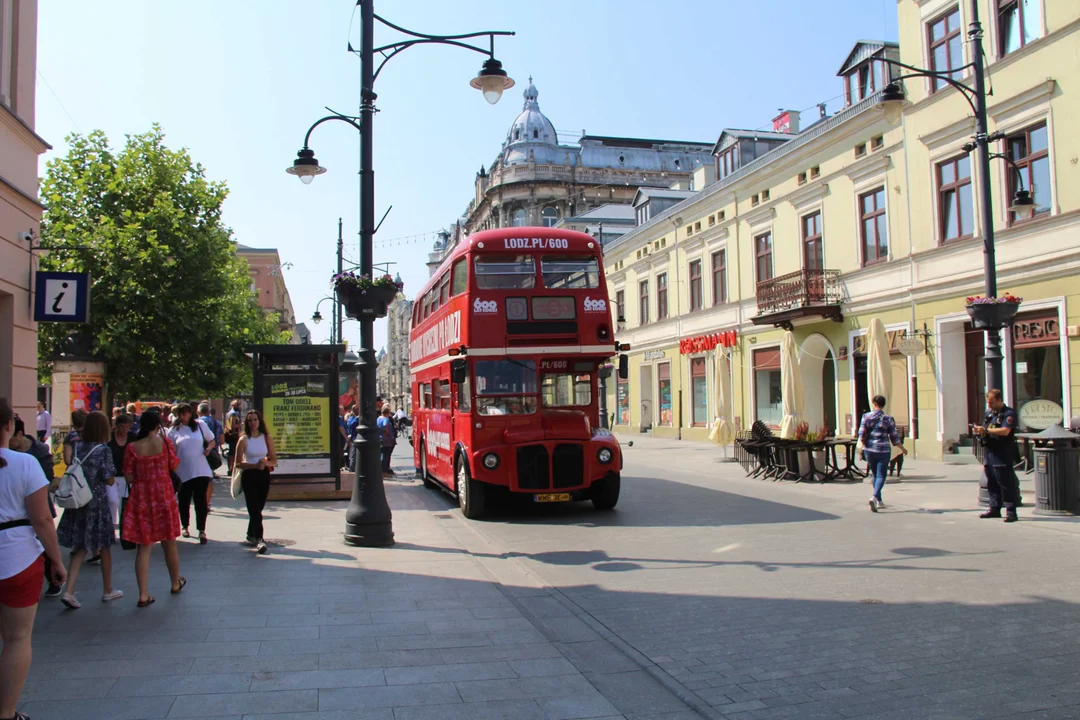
(191, 439)
(255, 453)
(27, 535)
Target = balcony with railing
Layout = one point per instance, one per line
(806, 293)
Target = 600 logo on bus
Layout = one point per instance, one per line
(485, 306)
(438, 337)
(536, 243)
(597, 305)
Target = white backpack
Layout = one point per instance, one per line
(74, 492)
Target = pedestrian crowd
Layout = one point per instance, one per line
(140, 475)
(390, 426)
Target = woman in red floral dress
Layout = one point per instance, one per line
(151, 514)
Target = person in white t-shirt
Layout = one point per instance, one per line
(193, 441)
(27, 535)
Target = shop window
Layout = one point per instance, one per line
(874, 228)
(956, 212)
(661, 296)
(1019, 22)
(663, 392)
(695, 286)
(768, 404)
(622, 402)
(813, 251)
(719, 277)
(946, 46)
(763, 256)
(643, 302)
(1036, 368)
(699, 391)
(1030, 150)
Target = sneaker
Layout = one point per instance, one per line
(991, 513)
(873, 504)
(94, 560)
(1011, 517)
(70, 602)
(54, 590)
(260, 548)
(249, 542)
(881, 504)
(114, 595)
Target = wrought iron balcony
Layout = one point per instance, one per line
(806, 293)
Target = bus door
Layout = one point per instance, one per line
(461, 407)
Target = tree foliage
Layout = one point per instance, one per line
(171, 307)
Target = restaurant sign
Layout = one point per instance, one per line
(1035, 332)
(702, 343)
(1040, 414)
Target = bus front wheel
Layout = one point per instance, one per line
(605, 493)
(424, 475)
(471, 495)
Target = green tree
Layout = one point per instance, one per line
(171, 307)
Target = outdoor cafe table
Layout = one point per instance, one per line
(813, 472)
(850, 471)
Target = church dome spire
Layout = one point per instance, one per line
(531, 133)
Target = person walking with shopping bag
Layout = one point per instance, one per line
(256, 456)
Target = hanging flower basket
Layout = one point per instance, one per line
(993, 313)
(363, 297)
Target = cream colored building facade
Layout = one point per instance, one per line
(20, 209)
(853, 219)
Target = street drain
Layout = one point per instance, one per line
(871, 601)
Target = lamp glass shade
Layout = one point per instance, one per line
(306, 179)
(492, 88)
(317, 317)
(893, 111)
(1023, 204)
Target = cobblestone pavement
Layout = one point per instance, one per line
(704, 594)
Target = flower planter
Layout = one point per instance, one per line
(992, 316)
(366, 304)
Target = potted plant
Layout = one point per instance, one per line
(605, 369)
(364, 297)
(992, 313)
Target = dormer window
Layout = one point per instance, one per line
(517, 134)
(865, 79)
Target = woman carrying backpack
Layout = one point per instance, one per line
(90, 527)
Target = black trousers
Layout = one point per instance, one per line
(194, 489)
(231, 444)
(256, 484)
(1003, 487)
(387, 453)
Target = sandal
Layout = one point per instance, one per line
(202, 538)
(185, 533)
(180, 588)
(147, 602)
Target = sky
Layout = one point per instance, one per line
(238, 83)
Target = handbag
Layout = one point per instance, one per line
(124, 544)
(214, 458)
(236, 487)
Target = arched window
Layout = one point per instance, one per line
(536, 133)
(550, 216)
(519, 218)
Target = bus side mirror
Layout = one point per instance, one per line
(624, 367)
(458, 371)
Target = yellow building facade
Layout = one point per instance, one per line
(823, 228)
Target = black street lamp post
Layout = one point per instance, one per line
(892, 103)
(368, 520)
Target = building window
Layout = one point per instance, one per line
(875, 233)
(549, 216)
(1019, 23)
(719, 277)
(663, 392)
(661, 296)
(696, 296)
(699, 391)
(519, 218)
(725, 162)
(813, 251)
(815, 172)
(801, 179)
(1030, 151)
(620, 306)
(643, 213)
(622, 402)
(860, 150)
(643, 302)
(536, 134)
(946, 46)
(763, 255)
(877, 142)
(768, 402)
(956, 213)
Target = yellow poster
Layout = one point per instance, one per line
(299, 425)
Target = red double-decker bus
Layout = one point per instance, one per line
(508, 339)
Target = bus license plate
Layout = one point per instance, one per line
(552, 497)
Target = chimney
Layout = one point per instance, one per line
(786, 122)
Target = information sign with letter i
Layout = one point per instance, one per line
(61, 297)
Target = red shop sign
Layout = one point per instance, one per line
(701, 343)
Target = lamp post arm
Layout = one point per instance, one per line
(1015, 168)
(969, 93)
(320, 121)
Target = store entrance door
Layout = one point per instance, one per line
(975, 354)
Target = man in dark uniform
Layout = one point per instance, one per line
(997, 435)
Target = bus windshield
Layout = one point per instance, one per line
(566, 390)
(505, 272)
(568, 271)
(505, 387)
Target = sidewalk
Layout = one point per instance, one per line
(317, 630)
(924, 485)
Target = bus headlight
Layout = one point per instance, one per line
(604, 455)
(491, 461)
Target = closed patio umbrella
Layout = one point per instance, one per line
(879, 366)
(791, 387)
(723, 430)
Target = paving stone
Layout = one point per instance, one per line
(67, 689)
(521, 688)
(636, 691)
(448, 673)
(388, 658)
(592, 705)
(181, 685)
(543, 666)
(531, 651)
(316, 679)
(196, 650)
(255, 664)
(388, 696)
(141, 708)
(494, 710)
(421, 642)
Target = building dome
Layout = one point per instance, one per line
(531, 131)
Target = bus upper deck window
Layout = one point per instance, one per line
(505, 272)
(570, 272)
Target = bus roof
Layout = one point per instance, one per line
(496, 241)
